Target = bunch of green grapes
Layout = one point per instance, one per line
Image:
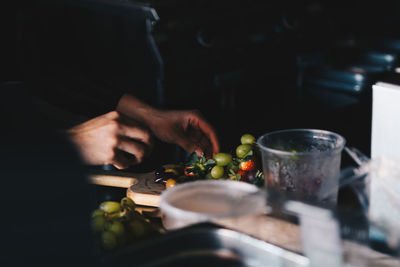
(119, 223)
(242, 164)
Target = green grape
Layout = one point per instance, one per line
(137, 228)
(110, 206)
(98, 223)
(247, 139)
(223, 159)
(117, 228)
(109, 240)
(126, 202)
(242, 150)
(217, 172)
(97, 212)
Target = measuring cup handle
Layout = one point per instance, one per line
(357, 181)
(356, 155)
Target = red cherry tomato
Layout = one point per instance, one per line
(188, 171)
(247, 165)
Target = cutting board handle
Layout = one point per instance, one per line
(112, 180)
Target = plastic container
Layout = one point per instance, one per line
(303, 164)
(209, 201)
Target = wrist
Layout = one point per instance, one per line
(137, 109)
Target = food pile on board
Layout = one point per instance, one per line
(243, 164)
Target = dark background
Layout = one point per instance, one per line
(244, 64)
(248, 66)
(238, 62)
(247, 78)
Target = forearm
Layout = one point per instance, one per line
(138, 110)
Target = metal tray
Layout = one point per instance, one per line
(205, 245)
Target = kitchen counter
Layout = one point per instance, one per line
(280, 231)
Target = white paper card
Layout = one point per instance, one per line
(385, 135)
(384, 207)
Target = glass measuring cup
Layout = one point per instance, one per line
(303, 164)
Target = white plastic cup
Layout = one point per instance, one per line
(209, 201)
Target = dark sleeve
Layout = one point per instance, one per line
(46, 171)
(83, 60)
(61, 62)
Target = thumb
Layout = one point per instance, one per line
(188, 145)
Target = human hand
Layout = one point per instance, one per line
(186, 128)
(111, 138)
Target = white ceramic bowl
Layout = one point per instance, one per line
(209, 200)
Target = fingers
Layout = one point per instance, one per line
(207, 139)
(128, 153)
(136, 149)
(210, 135)
(200, 142)
(194, 140)
(123, 160)
(205, 146)
(136, 133)
(187, 144)
(134, 130)
(134, 142)
(133, 137)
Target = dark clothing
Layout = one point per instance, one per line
(82, 56)
(75, 62)
(46, 200)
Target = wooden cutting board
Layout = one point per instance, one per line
(140, 187)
